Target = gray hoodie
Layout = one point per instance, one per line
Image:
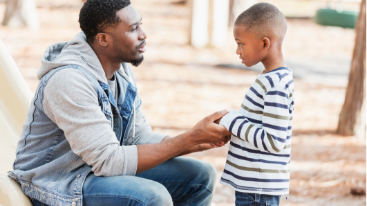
(71, 102)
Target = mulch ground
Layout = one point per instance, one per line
(179, 85)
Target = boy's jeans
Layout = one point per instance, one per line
(181, 180)
(250, 199)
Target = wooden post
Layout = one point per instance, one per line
(219, 23)
(240, 6)
(352, 118)
(20, 13)
(209, 22)
(200, 23)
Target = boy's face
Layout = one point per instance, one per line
(249, 47)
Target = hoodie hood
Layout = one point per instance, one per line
(74, 52)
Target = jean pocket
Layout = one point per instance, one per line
(244, 199)
(273, 200)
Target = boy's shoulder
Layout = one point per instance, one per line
(277, 80)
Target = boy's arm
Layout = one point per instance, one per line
(272, 136)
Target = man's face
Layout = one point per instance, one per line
(128, 37)
(249, 47)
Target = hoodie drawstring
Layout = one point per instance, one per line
(134, 121)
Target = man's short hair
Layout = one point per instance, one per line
(97, 15)
(263, 19)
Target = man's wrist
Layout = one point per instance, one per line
(185, 140)
(188, 139)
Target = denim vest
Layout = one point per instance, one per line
(46, 167)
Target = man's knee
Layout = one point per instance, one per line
(208, 175)
(158, 195)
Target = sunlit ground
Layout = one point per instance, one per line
(179, 85)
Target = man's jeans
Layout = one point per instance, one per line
(250, 199)
(178, 181)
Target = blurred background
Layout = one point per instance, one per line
(191, 70)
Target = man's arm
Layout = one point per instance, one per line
(206, 131)
(71, 102)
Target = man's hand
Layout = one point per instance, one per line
(206, 131)
(196, 139)
(226, 138)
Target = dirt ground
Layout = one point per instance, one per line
(179, 85)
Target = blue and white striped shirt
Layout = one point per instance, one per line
(259, 153)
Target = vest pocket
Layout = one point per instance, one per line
(106, 107)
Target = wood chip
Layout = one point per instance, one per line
(358, 191)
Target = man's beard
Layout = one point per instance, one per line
(128, 56)
(137, 62)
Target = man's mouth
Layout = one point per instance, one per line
(142, 48)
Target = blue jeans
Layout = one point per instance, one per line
(250, 199)
(178, 181)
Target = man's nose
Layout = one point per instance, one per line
(142, 35)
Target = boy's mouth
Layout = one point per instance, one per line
(242, 59)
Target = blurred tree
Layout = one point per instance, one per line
(352, 119)
(21, 13)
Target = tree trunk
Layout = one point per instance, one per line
(20, 13)
(352, 119)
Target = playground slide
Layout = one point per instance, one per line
(15, 98)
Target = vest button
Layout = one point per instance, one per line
(73, 203)
(78, 176)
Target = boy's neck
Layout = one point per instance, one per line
(273, 61)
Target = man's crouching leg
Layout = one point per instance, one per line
(124, 190)
(189, 181)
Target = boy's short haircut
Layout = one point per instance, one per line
(264, 19)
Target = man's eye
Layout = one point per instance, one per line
(134, 29)
(239, 44)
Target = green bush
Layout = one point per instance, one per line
(330, 17)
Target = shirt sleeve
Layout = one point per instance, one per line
(144, 133)
(71, 102)
(271, 135)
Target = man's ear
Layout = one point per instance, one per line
(266, 43)
(101, 39)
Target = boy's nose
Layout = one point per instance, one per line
(238, 51)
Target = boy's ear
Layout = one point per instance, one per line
(266, 43)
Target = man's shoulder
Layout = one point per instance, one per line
(69, 82)
(68, 77)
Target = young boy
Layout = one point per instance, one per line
(258, 160)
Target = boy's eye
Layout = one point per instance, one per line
(239, 44)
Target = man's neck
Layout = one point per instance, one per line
(109, 66)
(273, 60)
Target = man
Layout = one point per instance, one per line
(86, 141)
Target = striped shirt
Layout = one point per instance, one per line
(259, 152)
